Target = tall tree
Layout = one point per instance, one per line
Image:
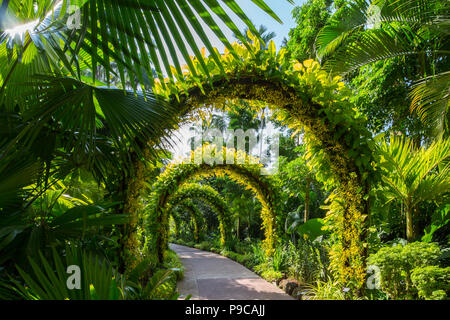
(366, 31)
(310, 18)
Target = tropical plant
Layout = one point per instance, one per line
(398, 262)
(307, 260)
(279, 260)
(432, 282)
(310, 17)
(312, 229)
(326, 290)
(31, 234)
(119, 32)
(365, 31)
(44, 60)
(56, 84)
(50, 279)
(412, 175)
(440, 219)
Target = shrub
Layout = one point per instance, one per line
(279, 259)
(271, 275)
(326, 290)
(396, 264)
(258, 255)
(432, 282)
(172, 261)
(308, 261)
(246, 260)
(204, 245)
(231, 244)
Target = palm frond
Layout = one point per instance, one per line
(84, 109)
(375, 30)
(430, 100)
(127, 36)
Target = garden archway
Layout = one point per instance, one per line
(176, 174)
(208, 195)
(302, 96)
(194, 212)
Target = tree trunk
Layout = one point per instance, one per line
(196, 229)
(129, 242)
(238, 226)
(410, 234)
(307, 198)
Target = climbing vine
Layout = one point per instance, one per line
(176, 174)
(303, 96)
(196, 215)
(211, 197)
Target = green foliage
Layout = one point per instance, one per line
(307, 261)
(294, 180)
(176, 174)
(48, 280)
(271, 275)
(204, 245)
(414, 175)
(310, 17)
(258, 254)
(99, 280)
(31, 234)
(439, 219)
(312, 229)
(366, 31)
(432, 282)
(326, 290)
(397, 264)
(279, 260)
(115, 37)
(380, 90)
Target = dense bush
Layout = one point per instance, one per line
(432, 282)
(398, 262)
(204, 245)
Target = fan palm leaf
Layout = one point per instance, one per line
(135, 35)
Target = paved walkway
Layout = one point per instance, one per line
(209, 276)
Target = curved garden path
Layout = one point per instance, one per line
(209, 276)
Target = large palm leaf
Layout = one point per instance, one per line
(128, 38)
(365, 31)
(136, 35)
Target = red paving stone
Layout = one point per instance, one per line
(209, 276)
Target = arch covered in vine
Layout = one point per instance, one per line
(208, 195)
(194, 212)
(302, 95)
(246, 173)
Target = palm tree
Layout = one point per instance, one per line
(366, 31)
(412, 175)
